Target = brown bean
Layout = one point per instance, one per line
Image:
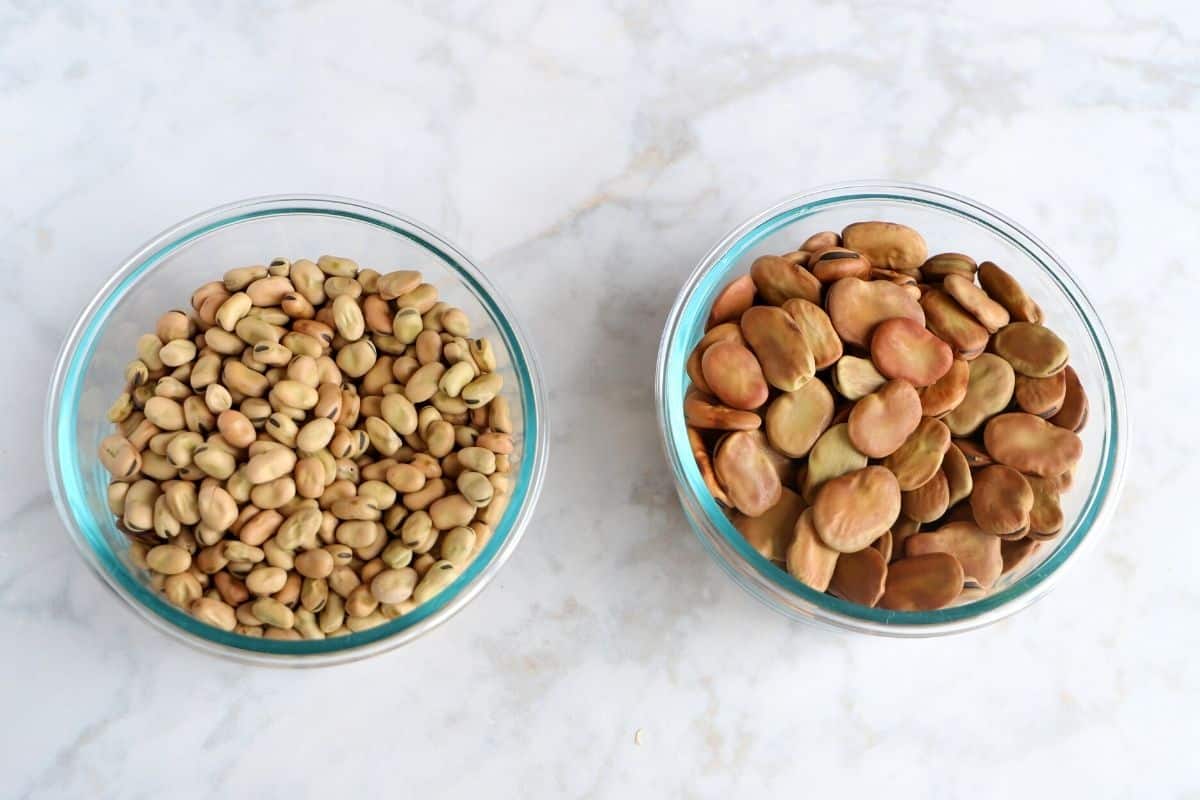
(928, 501)
(701, 411)
(853, 510)
(818, 331)
(859, 577)
(918, 459)
(795, 420)
(832, 455)
(732, 301)
(1001, 500)
(703, 463)
(856, 306)
(989, 390)
(959, 480)
(1033, 350)
(855, 377)
(886, 244)
(778, 343)
(771, 532)
(733, 374)
(884, 545)
(1032, 445)
(746, 474)
(1046, 516)
(937, 268)
(809, 559)
(945, 394)
(922, 583)
(1074, 412)
(976, 550)
(1005, 290)
(902, 348)
(880, 422)
(947, 319)
(726, 331)
(1014, 553)
(779, 280)
(834, 263)
(975, 301)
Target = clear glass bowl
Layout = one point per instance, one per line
(162, 275)
(949, 222)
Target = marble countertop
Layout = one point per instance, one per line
(587, 154)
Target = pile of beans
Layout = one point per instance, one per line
(894, 428)
(314, 450)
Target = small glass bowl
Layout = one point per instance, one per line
(949, 222)
(162, 275)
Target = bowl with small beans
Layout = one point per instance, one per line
(889, 409)
(296, 430)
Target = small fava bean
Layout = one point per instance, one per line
(263, 581)
(270, 611)
(212, 611)
(119, 457)
(457, 545)
(478, 459)
(439, 576)
(880, 422)
(887, 244)
(795, 420)
(1074, 412)
(482, 390)
(809, 559)
(833, 455)
(168, 559)
(779, 345)
(746, 474)
(922, 583)
(1032, 445)
(779, 280)
(771, 533)
(394, 585)
(905, 349)
(853, 510)
(451, 511)
(476, 488)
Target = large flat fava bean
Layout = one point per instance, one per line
(938, 267)
(778, 342)
(853, 510)
(902, 348)
(1041, 396)
(922, 583)
(859, 577)
(977, 551)
(779, 280)
(732, 301)
(818, 331)
(919, 458)
(770, 533)
(976, 302)
(833, 455)
(1074, 412)
(834, 263)
(989, 390)
(880, 422)
(703, 463)
(746, 474)
(1033, 350)
(856, 306)
(887, 244)
(855, 377)
(702, 412)
(810, 560)
(1031, 444)
(733, 374)
(946, 318)
(959, 481)
(1001, 500)
(795, 420)
(1005, 290)
(928, 501)
(1046, 516)
(944, 395)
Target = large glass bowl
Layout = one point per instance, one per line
(162, 275)
(949, 222)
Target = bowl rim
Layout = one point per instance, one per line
(771, 584)
(66, 473)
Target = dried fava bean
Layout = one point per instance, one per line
(732, 301)
(902, 348)
(702, 412)
(832, 455)
(886, 244)
(975, 301)
(947, 319)
(1033, 350)
(884, 545)
(855, 377)
(703, 463)
(959, 482)
(1001, 500)
(945, 264)
(810, 560)
(1074, 412)
(820, 241)
(834, 263)
(119, 457)
(440, 575)
(726, 331)
(1046, 516)
(977, 551)
(856, 306)
(733, 374)
(1041, 396)
(945, 394)
(928, 501)
(880, 422)
(168, 559)
(851, 511)
(922, 583)
(746, 474)
(1005, 290)
(771, 532)
(1032, 445)
(795, 420)
(818, 331)
(778, 342)
(859, 577)
(989, 390)
(779, 280)
(918, 459)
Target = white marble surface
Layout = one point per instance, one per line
(587, 155)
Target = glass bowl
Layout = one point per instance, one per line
(162, 275)
(949, 222)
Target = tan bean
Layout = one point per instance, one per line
(922, 583)
(937, 268)
(920, 456)
(164, 413)
(1001, 500)
(1032, 445)
(880, 422)
(947, 319)
(213, 612)
(853, 510)
(483, 354)
(859, 577)
(976, 302)
(929, 501)
(732, 301)
(267, 466)
(451, 511)
(1032, 350)
(945, 394)
(746, 474)
(1005, 290)
(977, 551)
(771, 532)
(458, 545)
(779, 345)
(1041, 396)
(271, 612)
(168, 559)
(243, 380)
(886, 244)
(904, 349)
(440, 575)
(989, 391)
(424, 382)
(831, 264)
(119, 457)
(959, 480)
(263, 581)
(1074, 412)
(856, 306)
(779, 280)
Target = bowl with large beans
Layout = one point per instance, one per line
(296, 430)
(890, 409)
